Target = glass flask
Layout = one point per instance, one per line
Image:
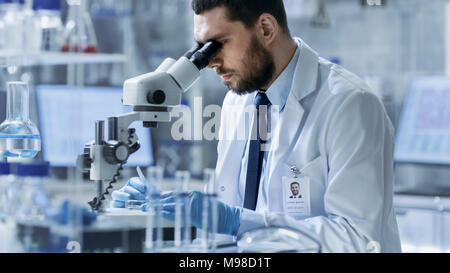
(19, 137)
(79, 33)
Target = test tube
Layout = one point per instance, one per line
(154, 230)
(212, 196)
(209, 213)
(182, 222)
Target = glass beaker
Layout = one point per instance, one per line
(79, 33)
(19, 137)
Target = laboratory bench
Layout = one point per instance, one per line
(114, 231)
(422, 220)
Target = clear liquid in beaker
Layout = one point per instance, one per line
(12, 152)
(19, 137)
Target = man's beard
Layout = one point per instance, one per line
(261, 68)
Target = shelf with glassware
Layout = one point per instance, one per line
(32, 33)
(11, 58)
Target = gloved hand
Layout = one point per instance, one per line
(134, 190)
(228, 217)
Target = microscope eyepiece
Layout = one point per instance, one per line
(194, 49)
(203, 56)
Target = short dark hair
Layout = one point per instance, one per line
(246, 11)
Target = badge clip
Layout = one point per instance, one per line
(295, 171)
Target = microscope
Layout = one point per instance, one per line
(152, 95)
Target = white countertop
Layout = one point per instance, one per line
(436, 203)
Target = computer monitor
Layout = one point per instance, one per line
(423, 134)
(67, 122)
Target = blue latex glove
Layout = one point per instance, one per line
(228, 217)
(61, 215)
(134, 190)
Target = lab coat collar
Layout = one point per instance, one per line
(305, 79)
(279, 91)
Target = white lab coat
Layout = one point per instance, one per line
(334, 130)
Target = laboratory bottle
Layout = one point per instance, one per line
(13, 25)
(33, 204)
(19, 137)
(48, 13)
(32, 37)
(79, 34)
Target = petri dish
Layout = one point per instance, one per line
(134, 204)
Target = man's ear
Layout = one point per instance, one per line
(268, 28)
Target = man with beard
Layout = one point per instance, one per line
(315, 123)
(295, 190)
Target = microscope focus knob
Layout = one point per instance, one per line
(156, 97)
(84, 162)
(115, 152)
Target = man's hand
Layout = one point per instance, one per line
(134, 190)
(228, 217)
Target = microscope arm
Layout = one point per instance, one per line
(118, 125)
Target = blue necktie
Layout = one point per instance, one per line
(255, 157)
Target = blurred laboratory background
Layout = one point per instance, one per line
(74, 56)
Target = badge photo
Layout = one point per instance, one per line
(296, 196)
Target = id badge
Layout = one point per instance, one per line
(296, 199)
